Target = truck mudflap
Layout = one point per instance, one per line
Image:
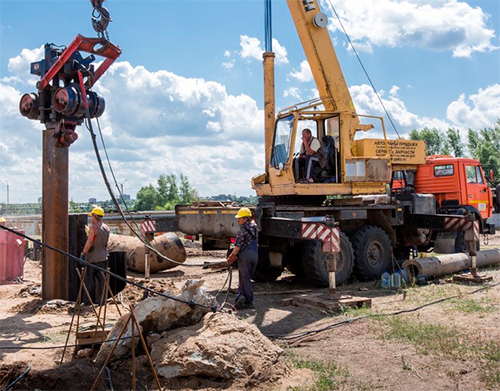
(324, 229)
(441, 222)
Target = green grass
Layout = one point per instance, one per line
(327, 376)
(427, 338)
(353, 312)
(470, 306)
(447, 341)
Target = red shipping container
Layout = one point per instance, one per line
(11, 256)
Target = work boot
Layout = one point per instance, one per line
(240, 302)
(248, 306)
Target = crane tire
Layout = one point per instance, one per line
(372, 252)
(315, 262)
(264, 271)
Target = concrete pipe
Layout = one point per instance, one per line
(167, 244)
(449, 263)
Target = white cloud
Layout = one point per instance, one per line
(228, 65)
(440, 25)
(251, 48)
(227, 53)
(293, 92)
(394, 90)
(304, 74)
(366, 102)
(476, 111)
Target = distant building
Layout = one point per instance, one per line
(39, 200)
(126, 197)
(92, 200)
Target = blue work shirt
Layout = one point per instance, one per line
(247, 233)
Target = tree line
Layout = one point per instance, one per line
(483, 145)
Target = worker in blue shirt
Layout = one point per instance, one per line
(246, 252)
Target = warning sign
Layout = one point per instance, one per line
(400, 151)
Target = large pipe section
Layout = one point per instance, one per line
(167, 244)
(450, 263)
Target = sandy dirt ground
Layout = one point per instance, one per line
(450, 345)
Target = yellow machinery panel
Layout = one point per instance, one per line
(402, 152)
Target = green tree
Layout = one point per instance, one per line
(455, 142)
(435, 141)
(147, 198)
(485, 146)
(187, 194)
(166, 195)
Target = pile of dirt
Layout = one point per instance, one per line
(75, 375)
(221, 346)
(134, 294)
(30, 290)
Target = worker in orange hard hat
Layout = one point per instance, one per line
(95, 251)
(247, 252)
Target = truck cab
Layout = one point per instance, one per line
(455, 182)
(458, 185)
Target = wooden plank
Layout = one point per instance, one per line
(92, 334)
(327, 302)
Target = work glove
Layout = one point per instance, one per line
(82, 256)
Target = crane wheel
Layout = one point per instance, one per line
(372, 252)
(265, 272)
(315, 262)
(461, 245)
(293, 259)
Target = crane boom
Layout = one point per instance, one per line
(311, 25)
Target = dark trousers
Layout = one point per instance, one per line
(304, 168)
(247, 263)
(94, 281)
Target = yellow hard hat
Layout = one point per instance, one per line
(97, 211)
(243, 212)
(2, 220)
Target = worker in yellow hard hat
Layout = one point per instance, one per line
(95, 251)
(2, 221)
(246, 251)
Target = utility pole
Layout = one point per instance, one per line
(121, 184)
(6, 181)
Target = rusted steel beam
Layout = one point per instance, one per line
(54, 215)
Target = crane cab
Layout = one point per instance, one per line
(353, 166)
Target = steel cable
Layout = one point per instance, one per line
(88, 264)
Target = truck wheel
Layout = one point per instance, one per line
(372, 252)
(315, 262)
(265, 272)
(293, 259)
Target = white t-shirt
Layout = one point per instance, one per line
(314, 145)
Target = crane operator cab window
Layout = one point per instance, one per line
(324, 169)
(282, 142)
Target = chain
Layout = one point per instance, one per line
(100, 19)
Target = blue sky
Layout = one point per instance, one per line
(186, 95)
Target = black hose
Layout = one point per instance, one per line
(110, 379)
(118, 277)
(115, 201)
(352, 320)
(19, 378)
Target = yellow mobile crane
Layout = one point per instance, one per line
(346, 209)
(356, 166)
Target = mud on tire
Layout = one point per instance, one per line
(372, 252)
(293, 259)
(315, 262)
(265, 272)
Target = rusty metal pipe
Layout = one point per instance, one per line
(450, 263)
(55, 231)
(269, 104)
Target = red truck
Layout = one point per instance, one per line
(458, 185)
